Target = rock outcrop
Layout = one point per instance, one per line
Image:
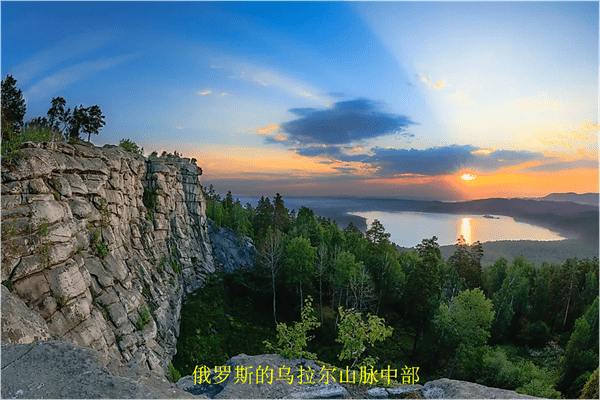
(59, 370)
(453, 389)
(100, 245)
(271, 385)
(231, 252)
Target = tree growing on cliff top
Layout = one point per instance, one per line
(71, 124)
(13, 108)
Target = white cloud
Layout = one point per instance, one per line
(440, 84)
(54, 83)
(269, 78)
(461, 97)
(205, 92)
(61, 52)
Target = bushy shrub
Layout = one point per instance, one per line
(173, 374)
(144, 318)
(357, 335)
(130, 146)
(522, 376)
(292, 340)
(590, 390)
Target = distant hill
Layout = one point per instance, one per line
(571, 220)
(591, 199)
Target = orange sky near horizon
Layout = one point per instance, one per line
(296, 175)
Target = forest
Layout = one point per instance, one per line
(351, 299)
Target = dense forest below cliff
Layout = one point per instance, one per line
(512, 325)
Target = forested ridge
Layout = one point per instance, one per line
(512, 325)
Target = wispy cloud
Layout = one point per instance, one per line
(440, 84)
(204, 92)
(461, 97)
(261, 130)
(54, 83)
(427, 80)
(587, 131)
(563, 165)
(60, 52)
(266, 77)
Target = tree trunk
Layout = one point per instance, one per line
(300, 302)
(416, 340)
(568, 305)
(274, 302)
(321, 294)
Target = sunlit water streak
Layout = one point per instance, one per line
(407, 229)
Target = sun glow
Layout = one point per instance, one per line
(468, 177)
(466, 230)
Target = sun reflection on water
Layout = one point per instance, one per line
(466, 231)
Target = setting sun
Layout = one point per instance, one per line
(468, 177)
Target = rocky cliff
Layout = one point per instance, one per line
(101, 245)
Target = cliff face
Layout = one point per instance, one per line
(102, 245)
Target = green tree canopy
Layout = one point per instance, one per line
(357, 334)
(463, 326)
(13, 107)
(300, 262)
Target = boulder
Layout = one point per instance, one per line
(269, 376)
(19, 323)
(56, 370)
(452, 389)
(231, 252)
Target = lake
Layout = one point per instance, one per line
(407, 229)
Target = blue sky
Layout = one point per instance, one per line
(318, 98)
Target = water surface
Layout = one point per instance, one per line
(410, 228)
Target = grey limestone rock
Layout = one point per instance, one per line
(314, 384)
(83, 258)
(453, 389)
(19, 323)
(62, 370)
(231, 252)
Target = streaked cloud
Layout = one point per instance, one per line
(461, 97)
(445, 160)
(204, 92)
(60, 52)
(587, 131)
(54, 83)
(266, 77)
(483, 151)
(344, 123)
(266, 129)
(564, 165)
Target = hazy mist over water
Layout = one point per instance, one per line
(410, 228)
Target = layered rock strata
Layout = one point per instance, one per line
(102, 245)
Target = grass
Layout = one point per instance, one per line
(144, 318)
(173, 374)
(9, 284)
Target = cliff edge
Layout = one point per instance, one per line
(101, 245)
